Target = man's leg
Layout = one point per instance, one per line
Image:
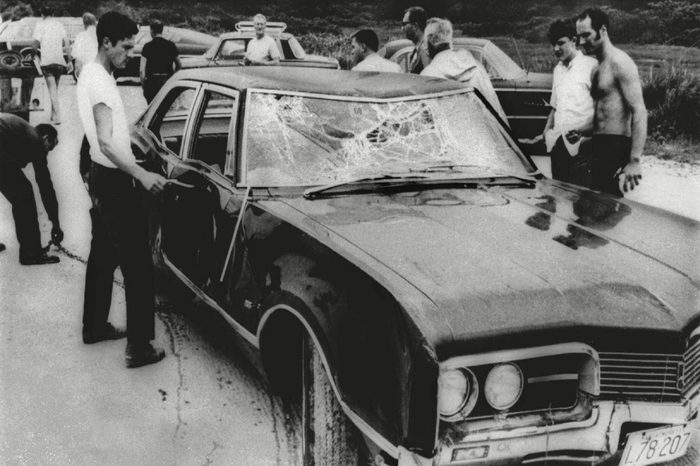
(580, 166)
(99, 279)
(52, 86)
(559, 161)
(18, 190)
(608, 154)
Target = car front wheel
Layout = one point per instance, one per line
(329, 438)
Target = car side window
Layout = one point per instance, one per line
(403, 59)
(168, 125)
(233, 49)
(478, 54)
(211, 135)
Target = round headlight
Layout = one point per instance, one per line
(503, 386)
(453, 389)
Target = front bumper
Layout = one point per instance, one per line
(586, 442)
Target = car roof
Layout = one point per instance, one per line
(321, 81)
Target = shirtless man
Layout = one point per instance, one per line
(620, 122)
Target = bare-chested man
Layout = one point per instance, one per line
(620, 123)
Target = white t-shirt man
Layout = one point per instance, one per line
(263, 49)
(571, 100)
(51, 34)
(85, 45)
(374, 62)
(97, 86)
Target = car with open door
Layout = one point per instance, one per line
(412, 282)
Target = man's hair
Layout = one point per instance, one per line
(156, 26)
(561, 28)
(47, 130)
(416, 14)
(438, 31)
(261, 17)
(599, 18)
(367, 37)
(89, 19)
(116, 26)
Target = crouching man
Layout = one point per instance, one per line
(21, 144)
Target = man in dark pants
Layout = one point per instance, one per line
(119, 227)
(620, 124)
(21, 144)
(159, 61)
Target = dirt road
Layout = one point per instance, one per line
(62, 402)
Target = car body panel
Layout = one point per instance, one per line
(396, 284)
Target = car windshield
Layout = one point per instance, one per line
(302, 140)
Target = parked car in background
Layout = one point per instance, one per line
(17, 36)
(230, 49)
(524, 95)
(405, 271)
(187, 41)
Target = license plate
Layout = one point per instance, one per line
(655, 446)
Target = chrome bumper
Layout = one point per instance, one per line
(587, 441)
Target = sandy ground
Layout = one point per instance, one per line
(62, 402)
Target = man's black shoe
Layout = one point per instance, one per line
(39, 259)
(108, 332)
(141, 355)
(2, 247)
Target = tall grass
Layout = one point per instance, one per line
(672, 97)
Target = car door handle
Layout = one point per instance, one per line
(538, 104)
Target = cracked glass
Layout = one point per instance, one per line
(298, 140)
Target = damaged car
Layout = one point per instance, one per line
(412, 282)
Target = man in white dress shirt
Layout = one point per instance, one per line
(365, 44)
(572, 108)
(262, 49)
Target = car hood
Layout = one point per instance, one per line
(499, 266)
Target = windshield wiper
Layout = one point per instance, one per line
(442, 168)
(314, 192)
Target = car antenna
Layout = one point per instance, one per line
(520, 57)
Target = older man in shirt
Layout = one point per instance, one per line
(572, 108)
(365, 44)
(262, 49)
(458, 65)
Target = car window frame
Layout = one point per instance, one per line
(195, 117)
(153, 113)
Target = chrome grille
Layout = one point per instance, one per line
(691, 367)
(640, 376)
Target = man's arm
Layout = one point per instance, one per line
(48, 194)
(142, 70)
(177, 64)
(153, 182)
(631, 90)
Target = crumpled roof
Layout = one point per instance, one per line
(322, 81)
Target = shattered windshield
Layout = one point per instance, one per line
(299, 140)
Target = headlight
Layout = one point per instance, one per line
(457, 392)
(503, 386)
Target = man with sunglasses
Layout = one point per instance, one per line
(413, 24)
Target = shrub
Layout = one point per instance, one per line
(672, 97)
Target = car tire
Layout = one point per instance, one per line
(328, 436)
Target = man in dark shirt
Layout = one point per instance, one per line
(159, 61)
(21, 144)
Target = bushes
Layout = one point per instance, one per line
(672, 97)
